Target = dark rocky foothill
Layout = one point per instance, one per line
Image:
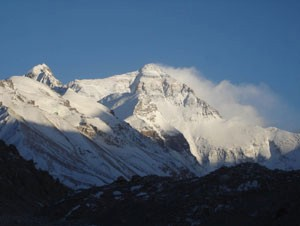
(24, 190)
(246, 194)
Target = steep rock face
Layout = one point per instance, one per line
(79, 140)
(160, 107)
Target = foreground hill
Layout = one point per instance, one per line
(246, 194)
(24, 190)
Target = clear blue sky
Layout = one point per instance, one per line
(241, 41)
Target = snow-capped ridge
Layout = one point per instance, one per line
(42, 73)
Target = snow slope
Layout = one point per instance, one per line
(77, 139)
(164, 109)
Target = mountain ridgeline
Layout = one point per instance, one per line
(90, 132)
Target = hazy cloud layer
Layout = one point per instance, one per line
(248, 103)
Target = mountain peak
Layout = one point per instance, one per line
(42, 73)
(151, 70)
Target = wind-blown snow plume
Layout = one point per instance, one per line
(248, 103)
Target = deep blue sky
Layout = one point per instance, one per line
(241, 41)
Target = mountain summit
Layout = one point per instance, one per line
(169, 112)
(42, 73)
(151, 70)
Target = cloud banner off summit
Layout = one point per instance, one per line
(252, 104)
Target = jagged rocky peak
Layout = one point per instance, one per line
(154, 81)
(43, 74)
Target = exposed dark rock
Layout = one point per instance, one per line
(24, 190)
(152, 134)
(177, 142)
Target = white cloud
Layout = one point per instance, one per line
(248, 103)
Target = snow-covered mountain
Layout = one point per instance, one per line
(89, 132)
(162, 108)
(79, 140)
